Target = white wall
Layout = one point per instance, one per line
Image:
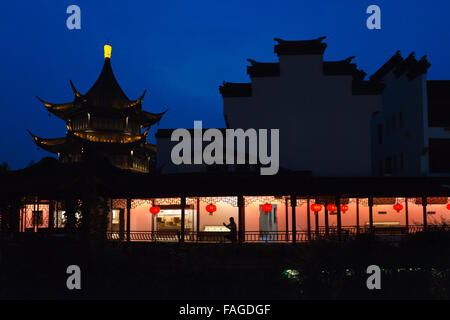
(323, 127)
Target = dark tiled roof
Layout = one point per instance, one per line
(343, 67)
(387, 67)
(229, 90)
(302, 47)
(263, 69)
(52, 179)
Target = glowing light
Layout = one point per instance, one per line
(344, 208)
(332, 207)
(266, 208)
(211, 208)
(155, 210)
(448, 206)
(291, 274)
(316, 207)
(107, 49)
(398, 207)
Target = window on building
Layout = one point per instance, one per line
(388, 165)
(60, 219)
(380, 134)
(115, 216)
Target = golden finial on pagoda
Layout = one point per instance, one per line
(107, 48)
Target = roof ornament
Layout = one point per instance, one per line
(107, 51)
(135, 102)
(75, 91)
(45, 103)
(349, 59)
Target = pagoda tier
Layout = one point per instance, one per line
(105, 121)
(104, 94)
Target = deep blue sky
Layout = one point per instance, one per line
(181, 51)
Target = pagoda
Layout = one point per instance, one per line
(104, 121)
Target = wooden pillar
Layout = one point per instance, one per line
(371, 214)
(294, 220)
(34, 215)
(406, 215)
(183, 216)
(339, 222)
(327, 231)
(357, 215)
(308, 218)
(128, 219)
(316, 220)
(51, 214)
(241, 216)
(198, 215)
(424, 210)
(286, 207)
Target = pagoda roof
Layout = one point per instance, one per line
(105, 95)
(74, 141)
(106, 91)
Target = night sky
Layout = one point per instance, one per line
(181, 51)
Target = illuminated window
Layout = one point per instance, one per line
(115, 216)
(60, 219)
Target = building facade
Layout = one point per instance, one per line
(322, 108)
(410, 135)
(324, 190)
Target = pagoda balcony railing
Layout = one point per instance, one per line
(321, 233)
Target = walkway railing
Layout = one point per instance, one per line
(272, 236)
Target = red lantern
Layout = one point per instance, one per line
(332, 207)
(266, 208)
(344, 208)
(155, 210)
(211, 208)
(316, 207)
(448, 206)
(398, 207)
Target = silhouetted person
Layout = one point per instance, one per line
(232, 227)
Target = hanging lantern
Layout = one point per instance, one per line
(316, 207)
(332, 208)
(155, 209)
(448, 206)
(344, 208)
(398, 207)
(266, 208)
(211, 208)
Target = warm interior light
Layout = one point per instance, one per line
(107, 48)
